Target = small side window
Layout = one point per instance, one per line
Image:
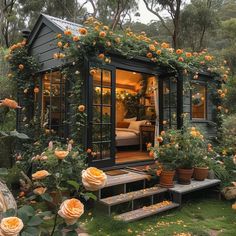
(198, 101)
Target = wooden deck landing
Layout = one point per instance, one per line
(125, 178)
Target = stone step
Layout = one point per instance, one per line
(126, 197)
(146, 211)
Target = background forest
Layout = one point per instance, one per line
(193, 25)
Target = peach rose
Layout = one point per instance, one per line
(71, 210)
(39, 190)
(11, 226)
(9, 103)
(93, 179)
(61, 154)
(81, 108)
(234, 206)
(83, 31)
(41, 174)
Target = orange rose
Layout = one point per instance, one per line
(117, 40)
(92, 72)
(11, 226)
(75, 38)
(93, 179)
(68, 32)
(83, 31)
(39, 190)
(61, 154)
(89, 150)
(149, 55)
(181, 59)
(41, 174)
(59, 36)
(21, 67)
(188, 54)
(71, 210)
(59, 44)
(152, 47)
(208, 58)
(163, 133)
(165, 45)
(36, 90)
(101, 56)
(81, 108)
(102, 34)
(159, 139)
(151, 154)
(158, 52)
(9, 103)
(149, 145)
(105, 27)
(179, 51)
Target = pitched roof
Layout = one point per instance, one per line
(56, 24)
(64, 24)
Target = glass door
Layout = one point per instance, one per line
(101, 117)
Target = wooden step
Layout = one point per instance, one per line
(146, 211)
(126, 197)
(129, 177)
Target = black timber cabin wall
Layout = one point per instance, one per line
(43, 44)
(208, 125)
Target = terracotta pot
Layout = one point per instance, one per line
(200, 173)
(166, 178)
(184, 176)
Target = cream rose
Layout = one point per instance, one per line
(41, 174)
(93, 179)
(61, 154)
(71, 210)
(11, 226)
(39, 190)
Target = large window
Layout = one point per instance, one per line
(198, 101)
(53, 108)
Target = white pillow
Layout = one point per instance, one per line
(130, 119)
(136, 124)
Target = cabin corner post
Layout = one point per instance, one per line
(160, 88)
(180, 87)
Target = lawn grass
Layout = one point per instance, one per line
(199, 217)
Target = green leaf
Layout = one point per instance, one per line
(9, 212)
(74, 184)
(18, 135)
(30, 231)
(35, 221)
(87, 196)
(23, 216)
(28, 210)
(47, 197)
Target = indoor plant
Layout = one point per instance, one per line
(166, 154)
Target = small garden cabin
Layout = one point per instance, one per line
(128, 101)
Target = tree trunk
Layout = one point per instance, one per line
(7, 200)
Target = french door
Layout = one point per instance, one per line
(101, 116)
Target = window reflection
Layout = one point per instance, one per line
(198, 101)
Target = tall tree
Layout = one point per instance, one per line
(114, 12)
(198, 19)
(172, 7)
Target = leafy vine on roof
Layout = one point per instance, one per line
(95, 39)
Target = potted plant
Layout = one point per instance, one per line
(166, 155)
(191, 145)
(202, 161)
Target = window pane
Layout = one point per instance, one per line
(106, 132)
(198, 101)
(106, 147)
(106, 78)
(97, 95)
(96, 131)
(97, 114)
(106, 114)
(106, 96)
